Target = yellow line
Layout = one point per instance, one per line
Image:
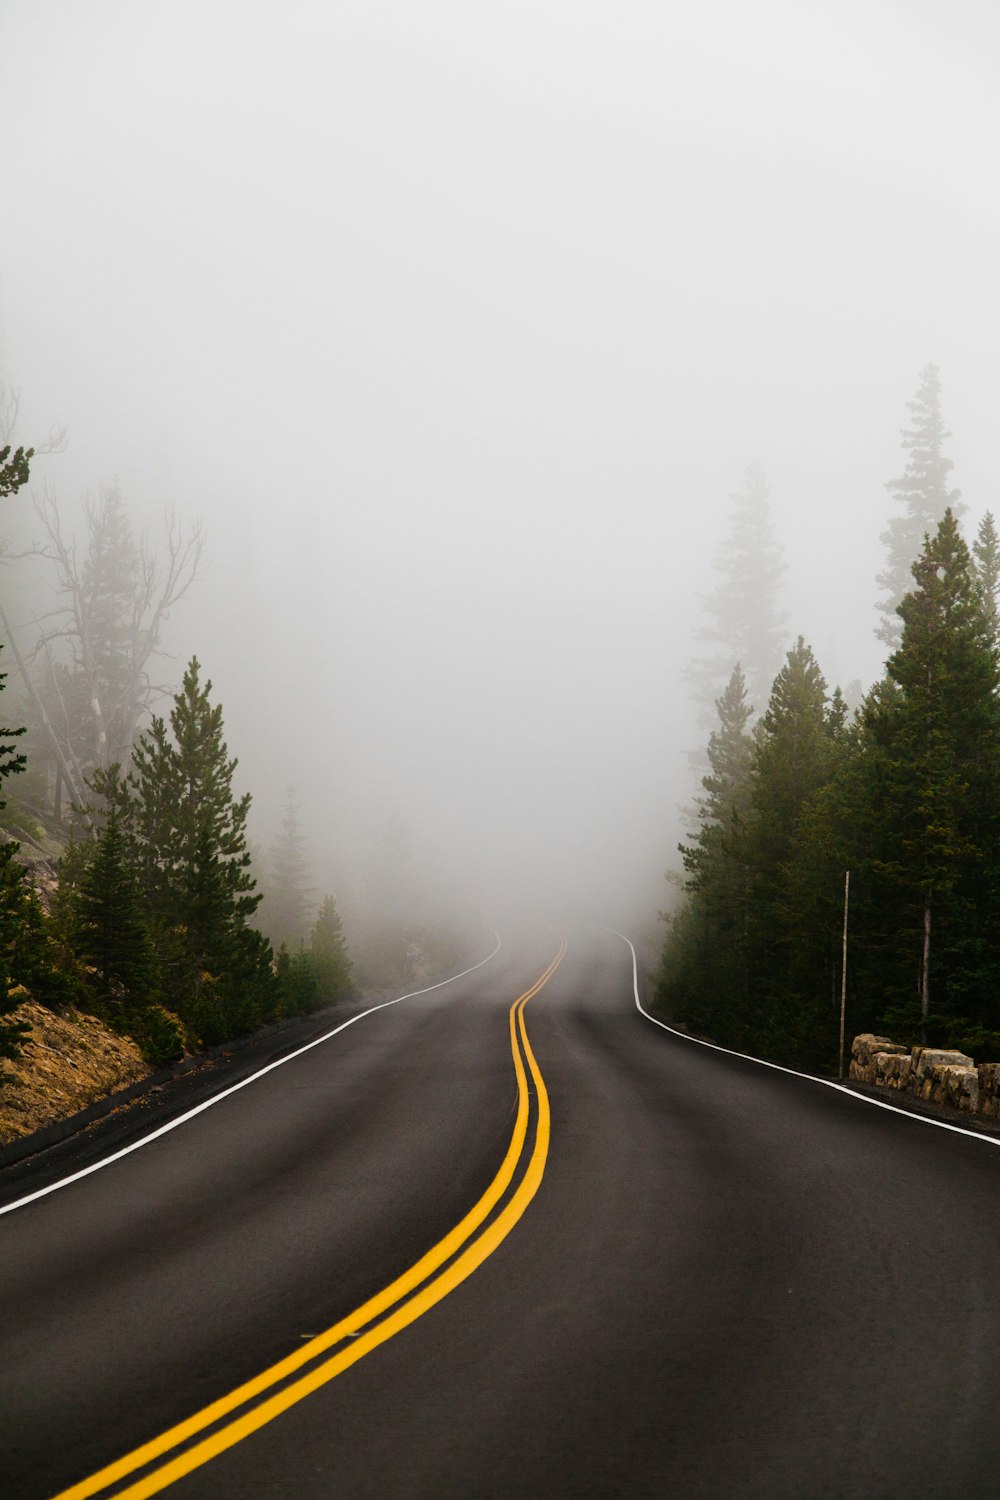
(382, 1302)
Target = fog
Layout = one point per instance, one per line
(456, 326)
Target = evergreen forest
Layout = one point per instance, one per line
(882, 818)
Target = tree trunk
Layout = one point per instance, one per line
(925, 964)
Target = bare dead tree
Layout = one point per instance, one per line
(100, 641)
(68, 771)
(10, 410)
(10, 406)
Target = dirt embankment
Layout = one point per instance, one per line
(69, 1061)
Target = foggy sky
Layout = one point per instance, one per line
(457, 324)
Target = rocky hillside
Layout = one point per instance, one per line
(69, 1061)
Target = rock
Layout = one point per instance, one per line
(867, 1042)
(989, 1090)
(864, 1049)
(892, 1069)
(963, 1089)
(950, 1083)
(940, 1075)
(926, 1059)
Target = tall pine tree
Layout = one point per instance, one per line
(703, 978)
(986, 550)
(193, 864)
(793, 761)
(922, 490)
(328, 952)
(111, 931)
(745, 623)
(287, 900)
(937, 760)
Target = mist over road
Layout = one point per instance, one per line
(729, 1282)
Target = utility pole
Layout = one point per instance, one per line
(843, 969)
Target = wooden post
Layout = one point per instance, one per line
(843, 969)
(925, 971)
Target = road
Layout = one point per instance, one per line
(711, 1279)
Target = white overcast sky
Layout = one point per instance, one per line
(457, 323)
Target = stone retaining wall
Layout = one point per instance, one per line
(938, 1074)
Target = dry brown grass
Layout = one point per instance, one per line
(70, 1061)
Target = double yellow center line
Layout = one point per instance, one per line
(250, 1406)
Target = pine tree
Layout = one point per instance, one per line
(986, 550)
(703, 975)
(12, 761)
(285, 911)
(732, 958)
(193, 866)
(13, 899)
(14, 468)
(923, 492)
(726, 782)
(297, 982)
(111, 931)
(328, 953)
(745, 623)
(937, 739)
(794, 756)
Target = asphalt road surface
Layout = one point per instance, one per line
(707, 1279)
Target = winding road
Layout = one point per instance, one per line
(506, 1238)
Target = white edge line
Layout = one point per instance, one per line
(827, 1083)
(198, 1109)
